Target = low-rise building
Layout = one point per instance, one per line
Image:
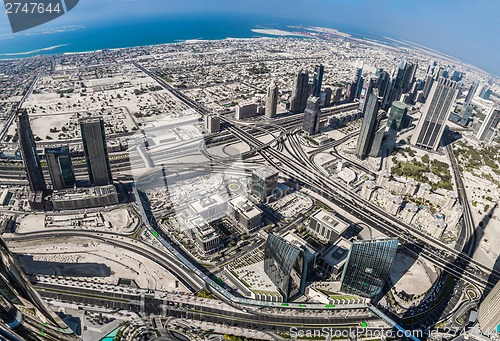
(72, 199)
(246, 214)
(209, 208)
(327, 225)
(332, 260)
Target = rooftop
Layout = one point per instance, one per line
(265, 172)
(329, 219)
(336, 255)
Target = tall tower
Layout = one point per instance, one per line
(300, 92)
(60, 167)
(28, 150)
(272, 100)
(312, 114)
(96, 152)
(435, 113)
(472, 91)
(317, 80)
(368, 127)
(488, 128)
(358, 80)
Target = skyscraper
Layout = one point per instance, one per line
(368, 126)
(429, 81)
(317, 80)
(310, 123)
(286, 266)
(29, 153)
(408, 77)
(488, 129)
(358, 79)
(396, 115)
(472, 91)
(96, 152)
(60, 167)
(435, 112)
(368, 265)
(368, 85)
(300, 92)
(22, 308)
(489, 314)
(272, 100)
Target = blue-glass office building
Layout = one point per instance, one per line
(368, 266)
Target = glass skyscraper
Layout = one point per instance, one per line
(300, 91)
(368, 266)
(286, 266)
(369, 125)
(317, 80)
(96, 152)
(60, 167)
(312, 115)
(28, 150)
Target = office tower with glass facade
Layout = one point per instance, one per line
(397, 115)
(489, 312)
(22, 308)
(435, 113)
(300, 92)
(29, 153)
(60, 167)
(368, 266)
(312, 114)
(317, 80)
(368, 85)
(358, 80)
(96, 151)
(264, 182)
(490, 125)
(368, 126)
(286, 265)
(272, 100)
(471, 92)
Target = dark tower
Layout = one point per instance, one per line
(28, 150)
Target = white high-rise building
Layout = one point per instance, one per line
(490, 125)
(272, 100)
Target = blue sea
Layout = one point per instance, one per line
(139, 32)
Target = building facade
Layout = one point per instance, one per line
(272, 100)
(326, 225)
(489, 312)
(397, 115)
(490, 125)
(435, 113)
(75, 199)
(300, 92)
(29, 153)
(368, 266)
(286, 266)
(264, 183)
(312, 114)
(60, 167)
(368, 126)
(317, 80)
(96, 151)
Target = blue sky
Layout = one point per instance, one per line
(466, 29)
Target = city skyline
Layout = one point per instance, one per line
(470, 43)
